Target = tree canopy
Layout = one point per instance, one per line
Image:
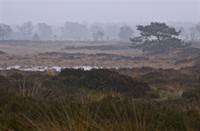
(157, 36)
(26, 29)
(74, 31)
(36, 37)
(97, 32)
(5, 30)
(46, 31)
(125, 33)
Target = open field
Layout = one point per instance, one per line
(83, 53)
(140, 91)
(92, 65)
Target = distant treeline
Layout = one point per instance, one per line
(85, 31)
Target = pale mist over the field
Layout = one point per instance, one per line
(62, 19)
(59, 11)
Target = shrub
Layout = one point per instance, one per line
(106, 80)
(192, 94)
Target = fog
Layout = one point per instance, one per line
(94, 19)
(110, 11)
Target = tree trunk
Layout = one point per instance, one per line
(158, 38)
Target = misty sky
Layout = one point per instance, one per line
(60, 11)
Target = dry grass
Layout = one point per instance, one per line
(27, 108)
(27, 54)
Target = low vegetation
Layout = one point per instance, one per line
(101, 99)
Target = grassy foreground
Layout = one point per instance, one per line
(126, 99)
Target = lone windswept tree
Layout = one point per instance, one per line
(157, 36)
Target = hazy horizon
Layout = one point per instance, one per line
(111, 11)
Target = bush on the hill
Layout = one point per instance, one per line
(192, 94)
(105, 80)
